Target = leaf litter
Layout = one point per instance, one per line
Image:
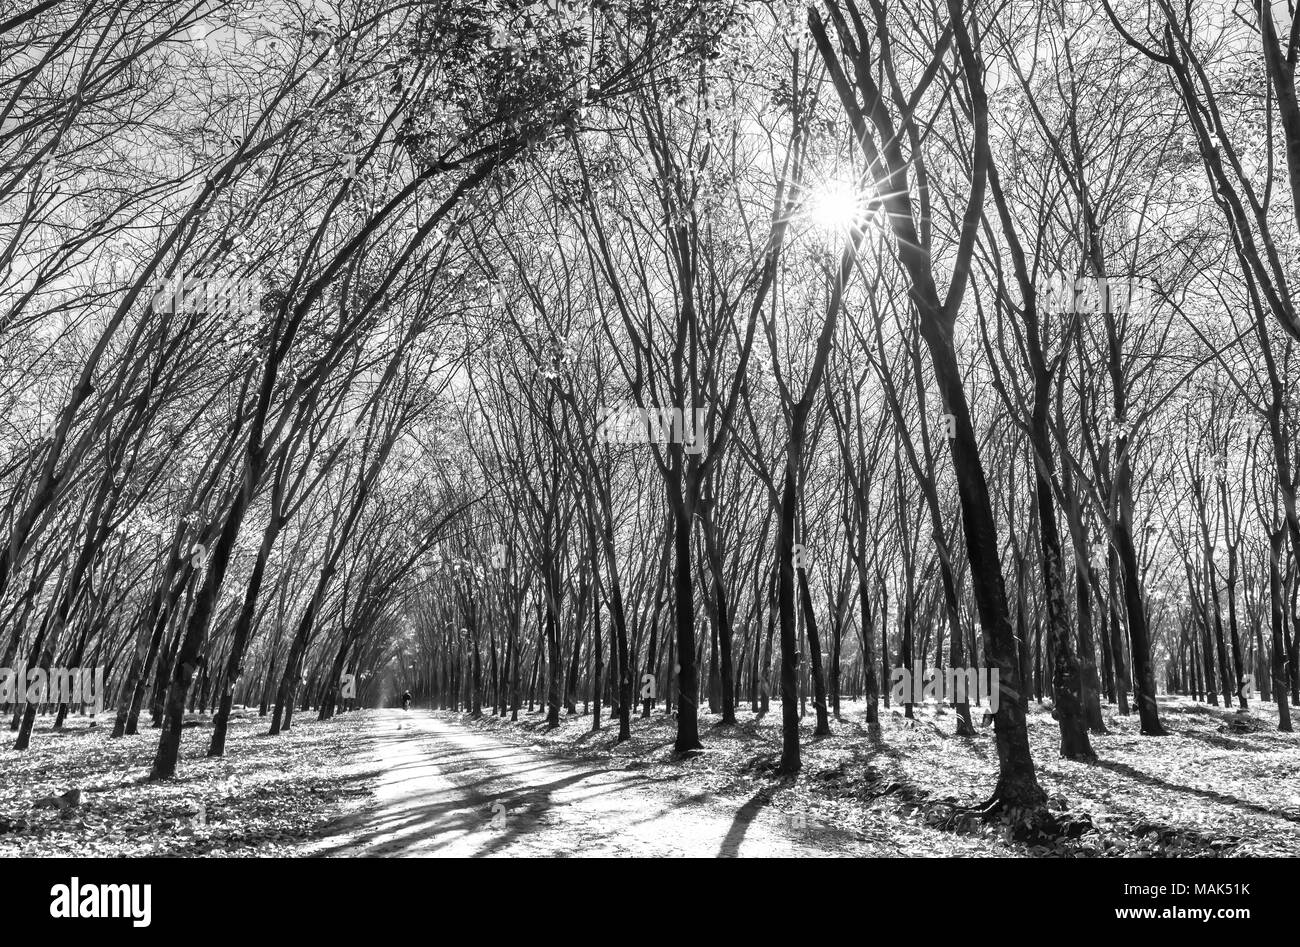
(1219, 785)
(265, 797)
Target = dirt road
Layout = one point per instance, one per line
(446, 790)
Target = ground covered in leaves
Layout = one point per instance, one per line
(1218, 785)
(265, 797)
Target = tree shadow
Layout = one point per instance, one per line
(470, 811)
(740, 823)
(1222, 798)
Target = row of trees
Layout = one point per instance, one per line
(1012, 384)
(956, 334)
(233, 308)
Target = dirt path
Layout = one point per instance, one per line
(450, 791)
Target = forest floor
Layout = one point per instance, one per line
(265, 797)
(1214, 787)
(437, 783)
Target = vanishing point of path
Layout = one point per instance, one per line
(447, 790)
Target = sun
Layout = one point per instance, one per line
(835, 206)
